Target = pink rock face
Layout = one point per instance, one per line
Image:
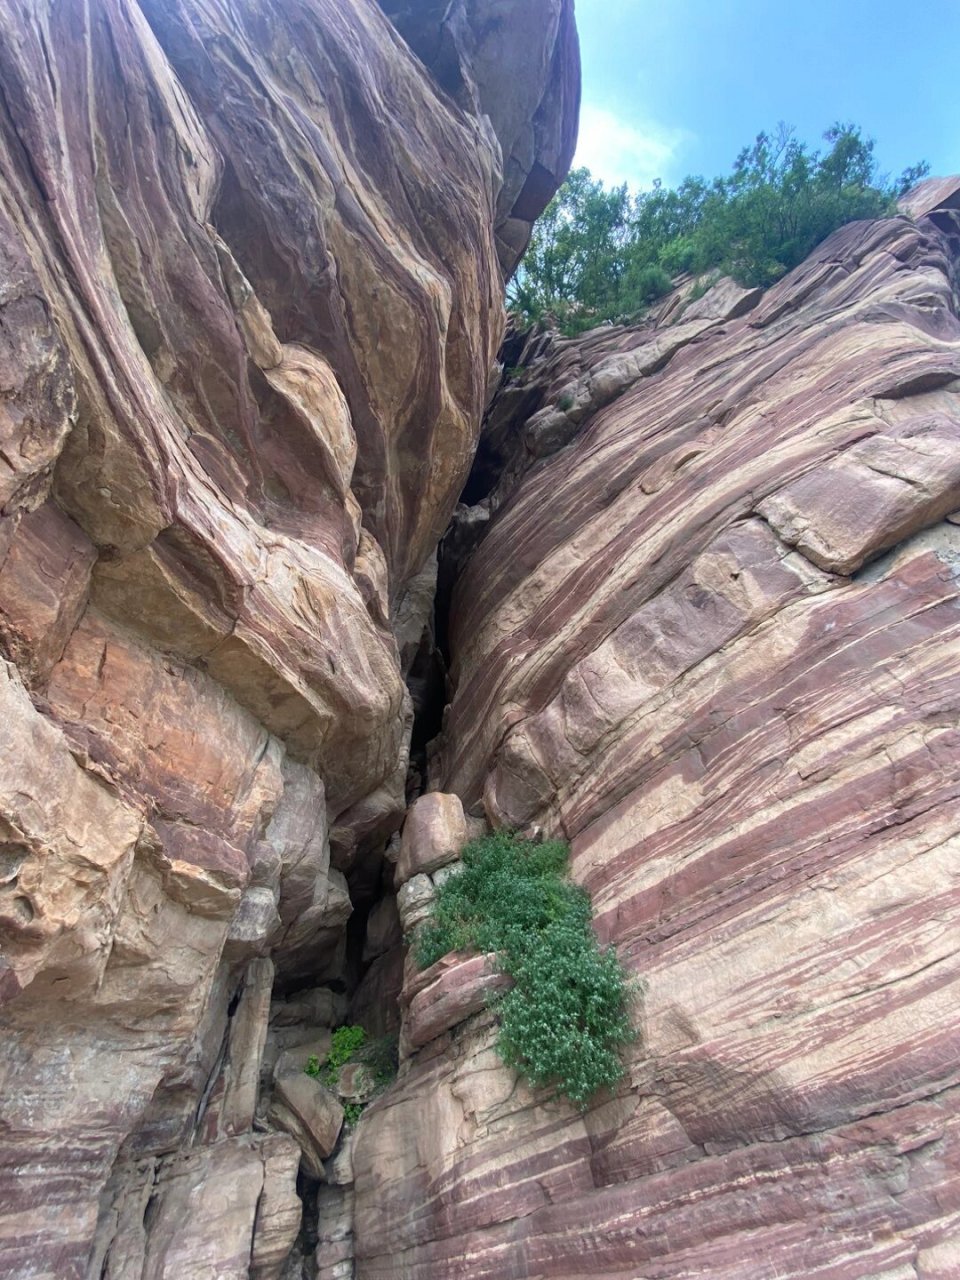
(523, 73)
(250, 298)
(445, 995)
(434, 834)
(714, 641)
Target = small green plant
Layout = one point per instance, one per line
(350, 1044)
(565, 402)
(346, 1043)
(565, 1018)
(352, 1111)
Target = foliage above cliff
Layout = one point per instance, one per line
(565, 1017)
(600, 254)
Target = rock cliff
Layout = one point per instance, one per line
(711, 636)
(249, 304)
(698, 613)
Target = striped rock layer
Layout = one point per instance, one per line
(250, 297)
(712, 637)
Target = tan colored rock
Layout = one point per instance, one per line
(446, 994)
(67, 844)
(310, 1113)
(338, 1170)
(523, 76)
(229, 1210)
(714, 641)
(279, 1211)
(44, 585)
(872, 497)
(414, 902)
(309, 1044)
(334, 1257)
(355, 1082)
(434, 834)
(250, 298)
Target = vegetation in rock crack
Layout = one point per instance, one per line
(352, 1111)
(565, 1019)
(599, 254)
(351, 1044)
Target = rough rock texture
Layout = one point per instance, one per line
(519, 65)
(251, 268)
(250, 298)
(434, 832)
(711, 634)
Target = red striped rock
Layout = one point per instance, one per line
(445, 995)
(714, 640)
(250, 296)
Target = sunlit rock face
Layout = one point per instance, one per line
(250, 299)
(712, 637)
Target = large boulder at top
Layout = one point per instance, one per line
(518, 64)
(250, 299)
(712, 636)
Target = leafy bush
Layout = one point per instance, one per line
(352, 1111)
(565, 1018)
(604, 255)
(345, 1043)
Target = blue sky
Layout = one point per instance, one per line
(672, 87)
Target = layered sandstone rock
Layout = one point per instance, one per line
(711, 635)
(519, 66)
(250, 298)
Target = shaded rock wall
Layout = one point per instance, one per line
(250, 298)
(711, 635)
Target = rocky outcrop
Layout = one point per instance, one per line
(250, 299)
(518, 66)
(703, 622)
(711, 635)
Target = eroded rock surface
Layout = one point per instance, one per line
(251, 270)
(711, 635)
(250, 299)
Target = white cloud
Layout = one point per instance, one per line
(617, 151)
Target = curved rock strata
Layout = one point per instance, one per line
(711, 635)
(250, 299)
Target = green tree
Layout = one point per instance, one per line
(603, 255)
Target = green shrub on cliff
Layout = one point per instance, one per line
(600, 254)
(565, 1019)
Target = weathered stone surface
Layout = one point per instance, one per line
(519, 68)
(713, 637)
(414, 900)
(308, 1112)
(334, 1258)
(355, 1082)
(250, 298)
(251, 262)
(445, 995)
(229, 1210)
(434, 834)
